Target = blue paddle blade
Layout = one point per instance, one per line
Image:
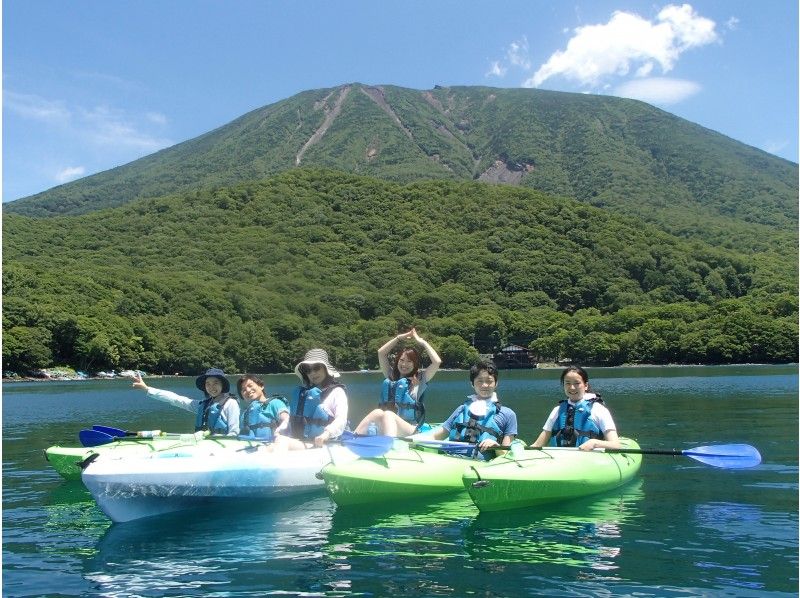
(451, 448)
(111, 431)
(367, 446)
(445, 444)
(94, 438)
(728, 456)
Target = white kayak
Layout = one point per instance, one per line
(128, 488)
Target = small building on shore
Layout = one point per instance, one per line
(514, 357)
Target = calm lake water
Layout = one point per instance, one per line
(680, 529)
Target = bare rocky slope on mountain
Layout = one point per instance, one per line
(620, 154)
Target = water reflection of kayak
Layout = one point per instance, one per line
(616, 505)
(416, 529)
(249, 546)
(583, 533)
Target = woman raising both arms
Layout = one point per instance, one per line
(401, 410)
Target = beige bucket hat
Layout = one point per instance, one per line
(316, 356)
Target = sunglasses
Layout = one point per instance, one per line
(308, 368)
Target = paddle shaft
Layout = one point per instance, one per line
(674, 453)
(668, 452)
(116, 432)
(726, 456)
(731, 456)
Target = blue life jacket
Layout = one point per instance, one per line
(307, 418)
(396, 396)
(210, 416)
(574, 424)
(469, 428)
(258, 422)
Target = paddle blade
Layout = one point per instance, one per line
(111, 431)
(450, 447)
(94, 438)
(368, 446)
(728, 456)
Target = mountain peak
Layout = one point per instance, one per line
(619, 154)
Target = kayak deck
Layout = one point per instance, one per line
(127, 488)
(534, 477)
(402, 473)
(66, 459)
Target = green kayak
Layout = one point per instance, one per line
(527, 478)
(404, 472)
(65, 459)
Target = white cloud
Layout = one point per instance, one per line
(110, 127)
(69, 173)
(775, 147)
(627, 43)
(100, 126)
(658, 90)
(157, 118)
(109, 80)
(517, 54)
(36, 108)
(496, 70)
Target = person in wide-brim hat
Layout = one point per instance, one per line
(218, 412)
(319, 406)
(200, 381)
(315, 357)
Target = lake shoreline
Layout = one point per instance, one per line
(540, 366)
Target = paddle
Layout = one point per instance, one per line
(376, 446)
(94, 437)
(97, 436)
(726, 456)
(365, 446)
(116, 432)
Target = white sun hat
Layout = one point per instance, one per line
(316, 356)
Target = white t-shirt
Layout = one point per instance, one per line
(230, 411)
(335, 405)
(600, 415)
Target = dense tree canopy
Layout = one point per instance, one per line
(248, 277)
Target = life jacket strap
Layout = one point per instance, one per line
(475, 430)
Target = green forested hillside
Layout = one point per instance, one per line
(250, 276)
(620, 154)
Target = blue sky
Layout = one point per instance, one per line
(92, 84)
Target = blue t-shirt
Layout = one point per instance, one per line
(272, 410)
(505, 419)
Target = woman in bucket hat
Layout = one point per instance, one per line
(318, 409)
(218, 412)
